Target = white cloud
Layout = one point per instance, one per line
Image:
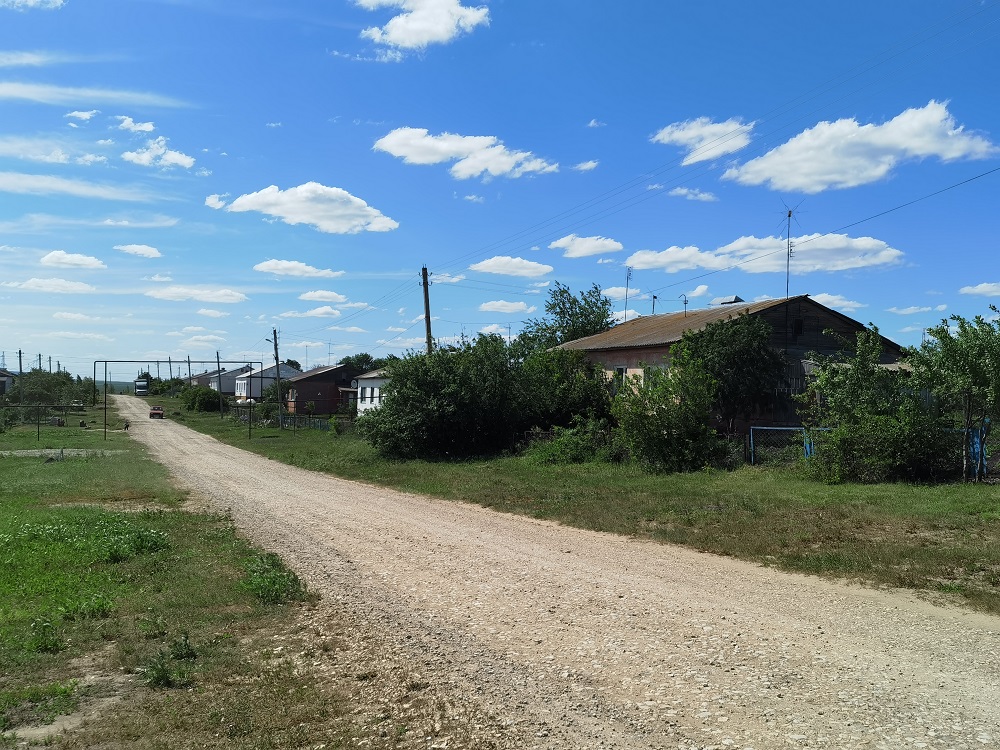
(495, 328)
(990, 289)
(447, 278)
(621, 315)
(62, 259)
(654, 186)
(586, 166)
(347, 329)
(73, 316)
(699, 291)
(837, 302)
(423, 22)
(704, 139)
(908, 310)
(83, 115)
(318, 312)
(505, 265)
(38, 184)
(29, 4)
(941, 308)
(64, 95)
(201, 294)
(208, 313)
(395, 329)
(474, 155)
(595, 123)
(475, 199)
(156, 154)
(295, 268)
(811, 253)
(846, 154)
(501, 306)
(327, 209)
(55, 286)
(127, 123)
(144, 251)
(693, 194)
(28, 59)
(272, 124)
(581, 247)
(322, 295)
(357, 306)
(158, 277)
(620, 293)
(75, 335)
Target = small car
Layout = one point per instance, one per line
(156, 412)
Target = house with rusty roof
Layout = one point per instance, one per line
(800, 327)
(322, 390)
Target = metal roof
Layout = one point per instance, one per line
(659, 330)
(316, 371)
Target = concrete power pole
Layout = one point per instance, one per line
(427, 308)
(277, 372)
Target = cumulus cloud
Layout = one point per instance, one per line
(62, 259)
(501, 306)
(83, 115)
(209, 313)
(595, 123)
(622, 315)
(845, 154)
(838, 302)
(581, 247)
(812, 253)
(322, 295)
(127, 123)
(55, 286)
(693, 194)
(495, 328)
(158, 277)
(447, 278)
(913, 310)
(144, 251)
(318, 312)
(505, 265)
(989, 289)
(156, 154)
(201, 294)
(347, 329)
(621, 293)
(699, 291)
(474, 155)
(326, 209)
(295, 268)
(423, 22)
(73, 316)
(475, 199)
(586, 166)
(705, 139)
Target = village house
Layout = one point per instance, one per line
(251, 384)
(6, 381)
(328, 389)
(226, 381)
(369, 386)
(798, 324)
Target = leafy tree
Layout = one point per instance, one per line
(568, 318)
(559, 387)
(365, 362)
(959, 363)
(294, 363)
(454, 402)
(270, 392)
(43, 387)
(878, 426)
(738, 355)
(663, 416)
(200, 398)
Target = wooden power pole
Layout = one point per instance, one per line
(427, 308)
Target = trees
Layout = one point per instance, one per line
(43, 387)
(293, 363)
(663, 417)
(365, 362)
(568, 318)
(879, 426)
(737, 354)
(959, 363)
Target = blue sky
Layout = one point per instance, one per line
(178, 177)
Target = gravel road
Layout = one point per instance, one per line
(534, 635)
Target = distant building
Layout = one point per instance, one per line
(6, 381)
(252, 384)
(370, 386)
(226, 381)
(328, 389)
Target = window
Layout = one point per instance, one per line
(364, 393)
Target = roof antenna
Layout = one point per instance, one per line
(628, 278)
(685, 298)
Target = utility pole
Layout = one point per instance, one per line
(218, 366)
(158, 368)
(50, 363)
(20, 375)
(170, 364)
(628, 278)
(189, 369)
(277, 373)
(654, 304)
(39, 361)
(685, 298)
(427, 308)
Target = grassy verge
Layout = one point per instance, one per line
(111, 593)
(939, 539)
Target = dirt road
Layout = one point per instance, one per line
(540, 636)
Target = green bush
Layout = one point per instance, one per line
(200, 398)
(586, 441)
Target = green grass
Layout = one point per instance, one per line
(103, 574)
(941, 539)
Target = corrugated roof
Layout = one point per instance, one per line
(316, 371)
(658, 330)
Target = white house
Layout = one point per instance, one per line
(228, 379)
(255, 381)
(369, 387)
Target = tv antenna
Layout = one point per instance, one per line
(789, 245)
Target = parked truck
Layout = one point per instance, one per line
(141, 387)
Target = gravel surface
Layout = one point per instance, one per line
(534, 635)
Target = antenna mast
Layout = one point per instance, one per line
(788, 250)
